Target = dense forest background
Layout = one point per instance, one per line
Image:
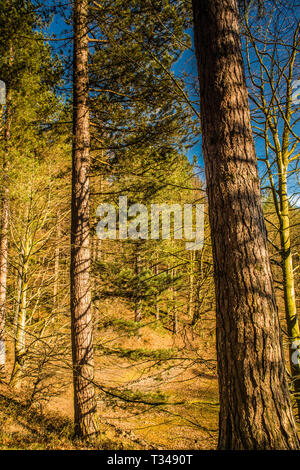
(102, 101)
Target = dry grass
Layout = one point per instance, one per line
(169, 401)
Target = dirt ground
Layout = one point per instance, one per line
(155, 390)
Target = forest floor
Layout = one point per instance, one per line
(154, 390)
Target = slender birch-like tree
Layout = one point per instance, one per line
(272, 53)
(4, 232)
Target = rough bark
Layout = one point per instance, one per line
(255, 407)
(82, 325)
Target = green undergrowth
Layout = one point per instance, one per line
(140, 354)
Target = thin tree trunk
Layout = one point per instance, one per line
(169, 296)
(157, 310)
(4, 235)
(99, 250)
(255, 406)
(82, 324)
(191, 302)
(199, 281)
(174, 305)
(288, 286)
(138, 303)
(281, 150)
(20, 321)
(56, 264)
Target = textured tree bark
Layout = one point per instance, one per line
(4, 235)
(82, 325)
(255, 407)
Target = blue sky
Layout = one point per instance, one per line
(186, 64)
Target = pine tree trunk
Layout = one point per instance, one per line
(82, 324)
(255, 406)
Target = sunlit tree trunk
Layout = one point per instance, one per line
(255, 406)
(288, 286)
(174, 305)
(138, 269)
(157, 309)
(191, 301)
(20, 321)
(82, 324)
(4, 233)
(280, 144)
(56, 264)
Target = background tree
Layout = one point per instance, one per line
(272, 46)
(11, 29)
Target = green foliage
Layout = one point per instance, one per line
(128, 326)
(134, 102)
(152, 398)
(141, 354)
